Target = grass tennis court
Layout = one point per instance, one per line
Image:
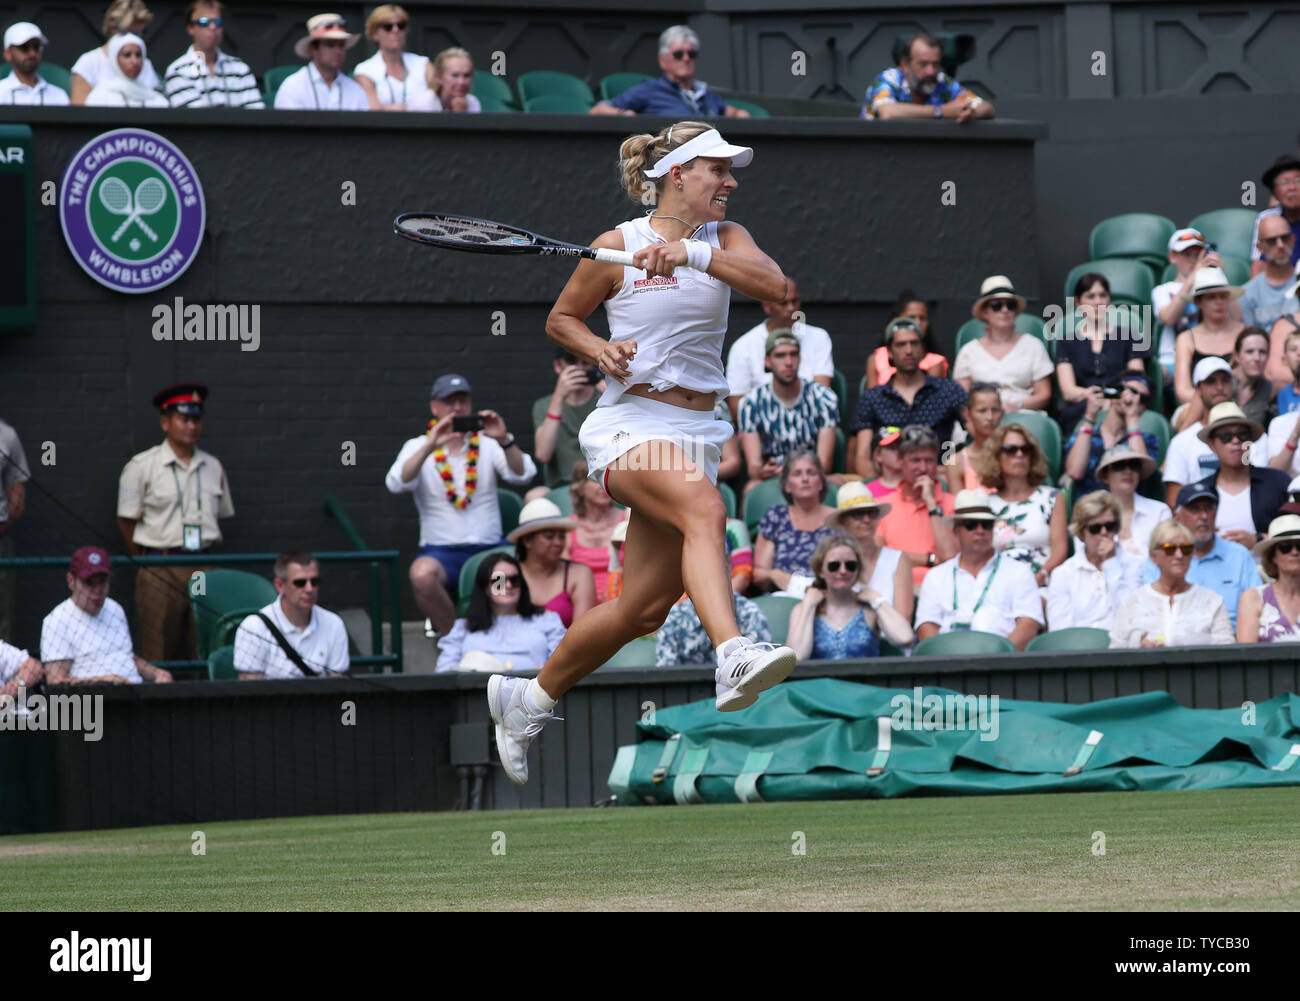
(1221, 849)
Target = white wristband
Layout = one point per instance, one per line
(698, 254)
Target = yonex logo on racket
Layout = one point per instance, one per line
(132, 210)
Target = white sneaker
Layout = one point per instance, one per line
(516, 725)
(749, 669)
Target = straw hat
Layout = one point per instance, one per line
(1121, 453)
(971, 505)
(320, 27)
(1228, 413)
(997, 287)
(1214, 280)
(1285, 527)
(538, 515)
(854, 497)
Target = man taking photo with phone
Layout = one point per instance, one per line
(557, 418)
(451, 471)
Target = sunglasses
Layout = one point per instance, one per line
(998, 305)
(850, 565)
(209, 22)
(304, 581)
(863, 512)
(976, 524)
(1018, 449)
(1286, 548)
(685, 53)
(1270, 240)
(1106, 526)
(1127, 465)
(1182, 548)
(506, 580)
(393, 26)
(1228, 435)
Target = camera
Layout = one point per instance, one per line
(593, 375)
(1112, 392)
(471, 423)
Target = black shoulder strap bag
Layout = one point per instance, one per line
(289, 651)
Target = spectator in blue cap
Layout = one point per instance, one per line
(451, 471)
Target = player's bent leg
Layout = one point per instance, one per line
(668, 487)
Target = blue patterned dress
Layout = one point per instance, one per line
(793, 548)
(853, 641)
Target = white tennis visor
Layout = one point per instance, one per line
(708, 143)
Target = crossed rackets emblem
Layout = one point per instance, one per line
(149, 196)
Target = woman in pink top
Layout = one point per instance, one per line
(982, 416)
(556, 584)
(595, 517)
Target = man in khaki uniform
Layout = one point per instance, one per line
(168, 502)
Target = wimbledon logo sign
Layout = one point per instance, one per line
(132, 210)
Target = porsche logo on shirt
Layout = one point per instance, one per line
(653, 284)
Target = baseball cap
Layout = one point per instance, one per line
(88, 561)
(781, 335)
(1193, 492)
(446, 385)
(23, 32)
(1184, 238)
(900, 323)
(1206, 367)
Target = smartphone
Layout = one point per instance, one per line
(471, 423)
(1111, 392)
(593, 375)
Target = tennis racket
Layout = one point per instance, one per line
(480, 236)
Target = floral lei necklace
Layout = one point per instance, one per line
(471, 473)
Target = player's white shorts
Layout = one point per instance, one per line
(609, 432)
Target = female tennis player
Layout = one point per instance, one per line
(653, 441)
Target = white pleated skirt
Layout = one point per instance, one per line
(612, 431)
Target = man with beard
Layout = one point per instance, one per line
(24, 47)
(785, 415)
(918, 88)
(747, 359)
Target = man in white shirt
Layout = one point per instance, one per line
(24, 48)
(1087, 589)
(85, 638)
(316, 635)
(458, 513)
(206, 77)
(746, 367)
(1188, 458)
(979, 589)
(320, 86)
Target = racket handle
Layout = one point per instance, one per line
(606, 256)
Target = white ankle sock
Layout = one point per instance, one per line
(727, 647)
(536, 698)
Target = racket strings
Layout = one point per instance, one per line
(465, 231)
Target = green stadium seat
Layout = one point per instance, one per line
(1048, 433)
(492, 105)
(221, 664)
(1154, 421)
(768, 494)
(1142, 236)
(1169, 274)
(640, 652)
(535, 84)
(888, 649)
(52, 73)
(614, 84)
(489, 85)
(755, 110)
(557, 104)
(963, 641)
(271, 81)
(561, 498)
(465, 586)
(1130, 281)
(229, 596)
(971, 330)
(728, 498)
(776, 609)
(840, 455)
(1026, 323)
(1229, 230)
(510, 504)
(1076, 638)
(1236, 268)
(840, 387)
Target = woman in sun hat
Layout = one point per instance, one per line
(1271, 613)
(559, 585)
(1214, 336)
(1121, 470)
(1017, 362)
(858, 513)
(654, 441)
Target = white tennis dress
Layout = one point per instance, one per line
(679, 324)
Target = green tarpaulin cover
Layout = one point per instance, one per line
(820, 739)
